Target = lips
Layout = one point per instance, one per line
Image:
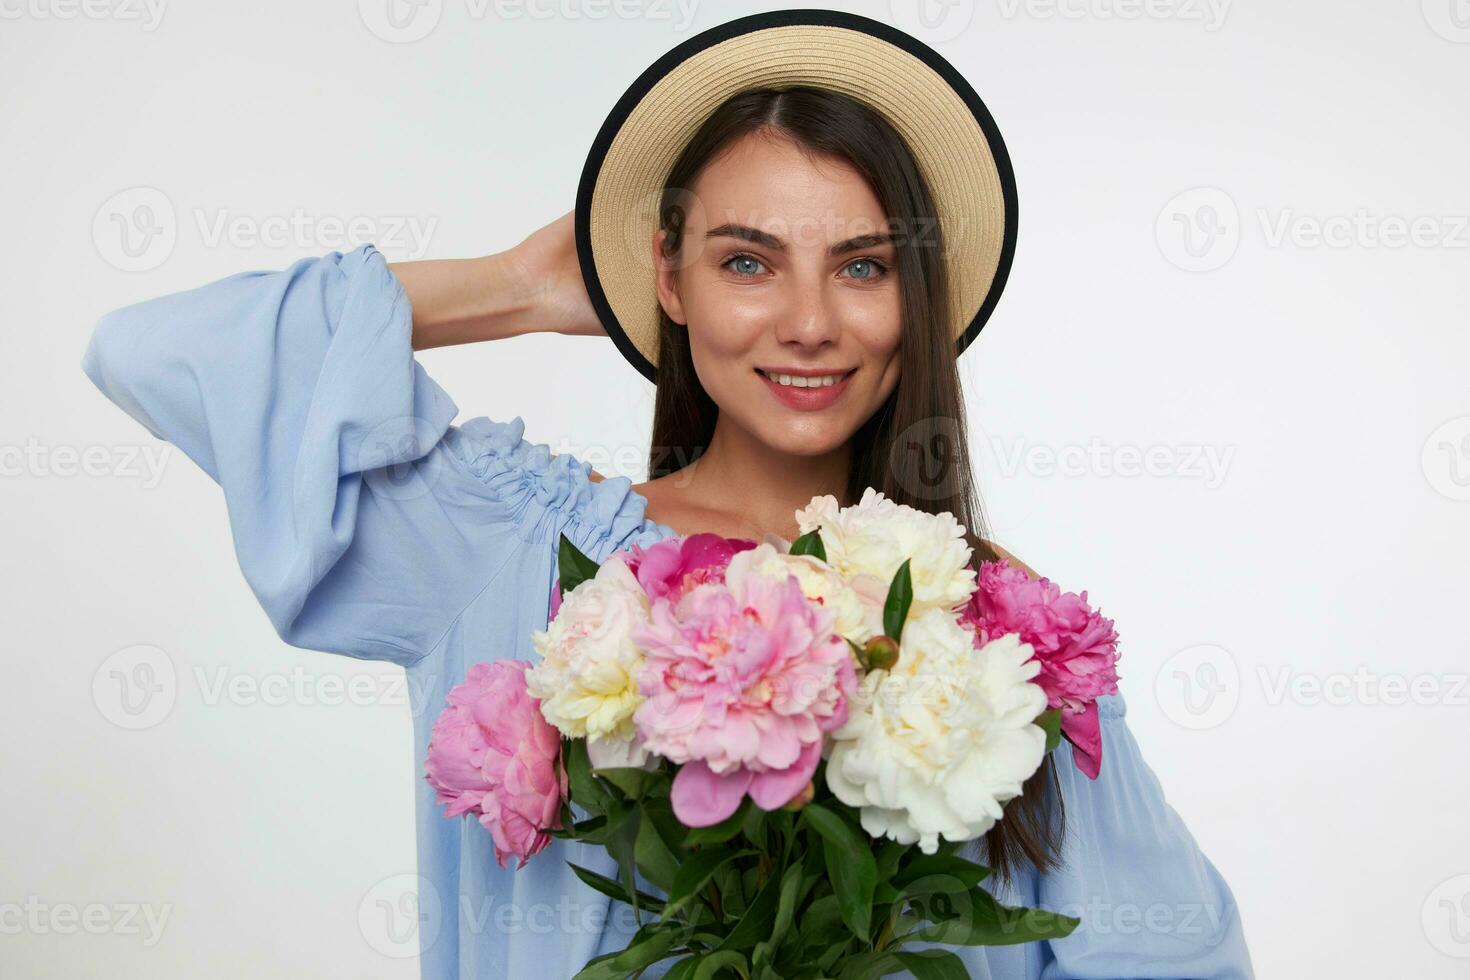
(807, 399)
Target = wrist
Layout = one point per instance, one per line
(505, 296)
(462, 301)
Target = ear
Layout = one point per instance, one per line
(666, 281)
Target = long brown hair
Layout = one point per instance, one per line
(914, 447)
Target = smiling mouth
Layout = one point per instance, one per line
(802, 381)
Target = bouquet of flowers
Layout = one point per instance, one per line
(791, 743)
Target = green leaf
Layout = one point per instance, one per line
(573, 567)
(785, 905)
(621, 840)
(727, 882)
(816, 924)
(967, 873)
(655, 859)
(829, 960)
(933, 964)
(613, 889)
(756, 922)
(869, 966)
(714, 962)
(586, 791)
(754, 826)
(631, 780)
(850, 865)
(692, 875)
(1050, 721)
(896, 606)
(889, 856)
(980, 920)
(673, 832)
(640, 953)
(810, 543)
(593, 830)
(779, 823)
(821, 915)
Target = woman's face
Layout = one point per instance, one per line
(785, 279)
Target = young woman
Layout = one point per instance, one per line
(369, 525)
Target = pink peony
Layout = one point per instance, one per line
(671, 567)
(493, 756)
(741, 684)
(1075, 644)
(674, 565)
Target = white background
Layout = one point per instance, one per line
(1292, 620)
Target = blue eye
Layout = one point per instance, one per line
(745, 272)
(877, 269)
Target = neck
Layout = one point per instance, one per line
(740, 475)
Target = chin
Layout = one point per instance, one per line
(805, 440)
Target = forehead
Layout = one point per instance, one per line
(768, 182)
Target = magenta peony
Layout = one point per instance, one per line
(741, 683)
(1075, 644)
(669, 568)
(493, 756)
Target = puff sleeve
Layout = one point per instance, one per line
(1152, 904)
(357, 528)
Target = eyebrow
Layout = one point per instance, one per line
(767, 240)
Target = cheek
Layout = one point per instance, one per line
(879, 336)
(723, 326)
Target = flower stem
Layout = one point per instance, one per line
(714, 898)
(886, 932)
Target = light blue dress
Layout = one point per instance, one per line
(368, 525)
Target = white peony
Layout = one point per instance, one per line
(876, 535)
(587, 677)
(935, 746)
(858, 603)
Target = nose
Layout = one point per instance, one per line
(808, 320)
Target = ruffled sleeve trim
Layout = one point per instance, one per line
(544, 491)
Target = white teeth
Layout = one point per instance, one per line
(797, 381)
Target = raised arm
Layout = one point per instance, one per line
(360, 526)
(536, 286)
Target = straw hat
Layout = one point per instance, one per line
(946, 126)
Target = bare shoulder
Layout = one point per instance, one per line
(1014, 560)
